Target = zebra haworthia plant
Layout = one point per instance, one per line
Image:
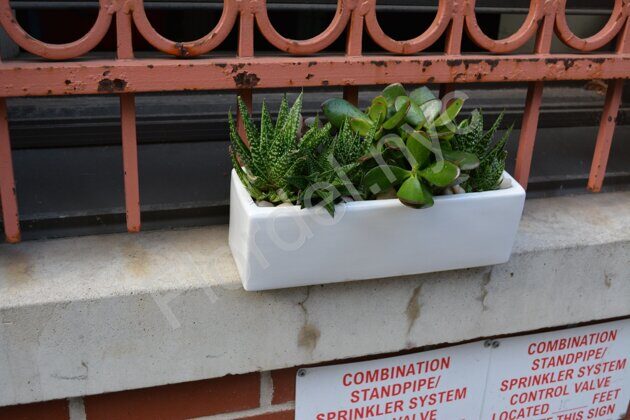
(279, 166)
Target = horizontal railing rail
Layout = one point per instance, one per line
(304, 63)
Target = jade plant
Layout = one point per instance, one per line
(413, 154)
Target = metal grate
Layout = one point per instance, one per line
(304, 63)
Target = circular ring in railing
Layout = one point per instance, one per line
(518, 39)
(57, 51)
(411, 46)
(307, 46)
(594, 42)
(191, 48)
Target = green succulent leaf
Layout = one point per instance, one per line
(361, 126)
(399, 117)
(338, 110)
(393, 91)
(440, 174)
(378, 110)
(414, 115)
(414, 193)
(466, 161)
(448, 116)
(431, 109)
(382, 177)
(416, 148)
(421, 95)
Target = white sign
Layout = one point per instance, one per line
(439, 384)
(573, 374)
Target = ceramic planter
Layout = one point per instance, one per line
(278, 247)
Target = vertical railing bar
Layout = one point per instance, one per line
(603, 144)
(245, 49)
(531, 114)
(453, 45)
(8, 196)
(608, 121)
(124, 50)
(354, 48)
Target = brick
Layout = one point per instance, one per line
(278, 415)
(49, 410)
(178, 401)
(283, 385)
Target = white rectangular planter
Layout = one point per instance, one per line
(277, 247)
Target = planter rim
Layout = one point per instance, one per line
(254, 210)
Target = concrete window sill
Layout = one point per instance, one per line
(89, 315)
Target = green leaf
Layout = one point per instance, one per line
(398, 117)
(421, 95)
(414, 115)
(238, 146)
(422, 138)
(378, 110)
(420, 153)
(391, 141)
(414, 193)
(250, 129)
(391, 92)
(338, 110)
(469, 135)
(466, 161)
(448, 116)
(283, 112)
(380, 178)
(431, 109)
(440, 174)
(361, 126)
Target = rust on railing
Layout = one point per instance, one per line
(401, 61)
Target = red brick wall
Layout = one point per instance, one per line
(252, 396)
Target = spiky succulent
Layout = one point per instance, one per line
(472, 138)
(280, 167)
(334, 167)
(272, 158)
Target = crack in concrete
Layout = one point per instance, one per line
(414, 308)
(487, 277)
(309, 334)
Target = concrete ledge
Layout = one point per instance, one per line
(97, 314)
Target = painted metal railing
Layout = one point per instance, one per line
(400, 61)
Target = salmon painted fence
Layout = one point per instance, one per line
(304, 63)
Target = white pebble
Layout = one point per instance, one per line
(457, 189)
(264, 203)
(505, 183)
(447, 191)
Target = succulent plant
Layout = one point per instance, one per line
(394, 109)
(272, 157)
(333, 167)
(280, 167)
(406, 143)
(472, 138)
(413, 153)
(412, 170)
